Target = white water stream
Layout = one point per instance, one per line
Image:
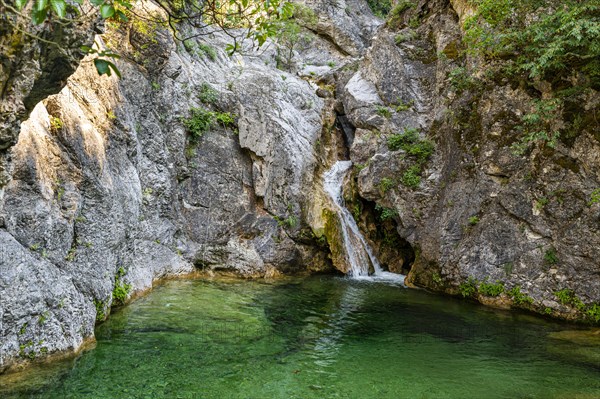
(359, 254)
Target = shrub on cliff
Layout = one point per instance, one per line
(257, 18)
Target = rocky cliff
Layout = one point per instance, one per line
(434, 148)
(112, 185)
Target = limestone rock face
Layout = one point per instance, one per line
(479, 211)
(348, 24)
(34, 62)
(107, 186)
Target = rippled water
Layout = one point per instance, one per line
(319, 338)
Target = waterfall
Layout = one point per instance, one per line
(359, 253)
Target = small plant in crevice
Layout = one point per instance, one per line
(225, 119)
(540, 203)
(43, 318)
(518, 297)
(386, 184)
(386, 213)
(460, 80)
(56, 123)
(468, 289)
(71, 254)
(490, 289)
(594, 197)
(593, 313)
(404, 37)
(100, 305)
(356, 211)
(411, 177)
(207, 94)
(189, 45)
(473, 220)
(360, 166)
(26, 350)
(550, 256)
(540, 125)
(383, 111)
(121, 289)
(437, 279)
(400, 105)
(412, 144)
(395, 15)
(208, 51)
(199, 122)
(291, 221)
(380, 8)
(568, 297)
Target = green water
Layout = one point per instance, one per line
(318, 338)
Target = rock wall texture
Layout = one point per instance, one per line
(107, 188)
(480, 212)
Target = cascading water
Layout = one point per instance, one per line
(358, 252)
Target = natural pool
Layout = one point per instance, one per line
(319, 337)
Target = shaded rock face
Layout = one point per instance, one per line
(348, 24)
(479, 211)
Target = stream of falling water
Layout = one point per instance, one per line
(359, 253)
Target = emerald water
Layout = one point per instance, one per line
(319, 337)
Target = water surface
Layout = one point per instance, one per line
(319, 337)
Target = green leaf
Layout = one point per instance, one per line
(39, 16)
(21, 3)
(124, 3)
(41, 5)
(87, 49)
(106, 67)
(121, 15)
(97, 2)
(59, 7)
(107, 10)
(102, 66)
(114, 68)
